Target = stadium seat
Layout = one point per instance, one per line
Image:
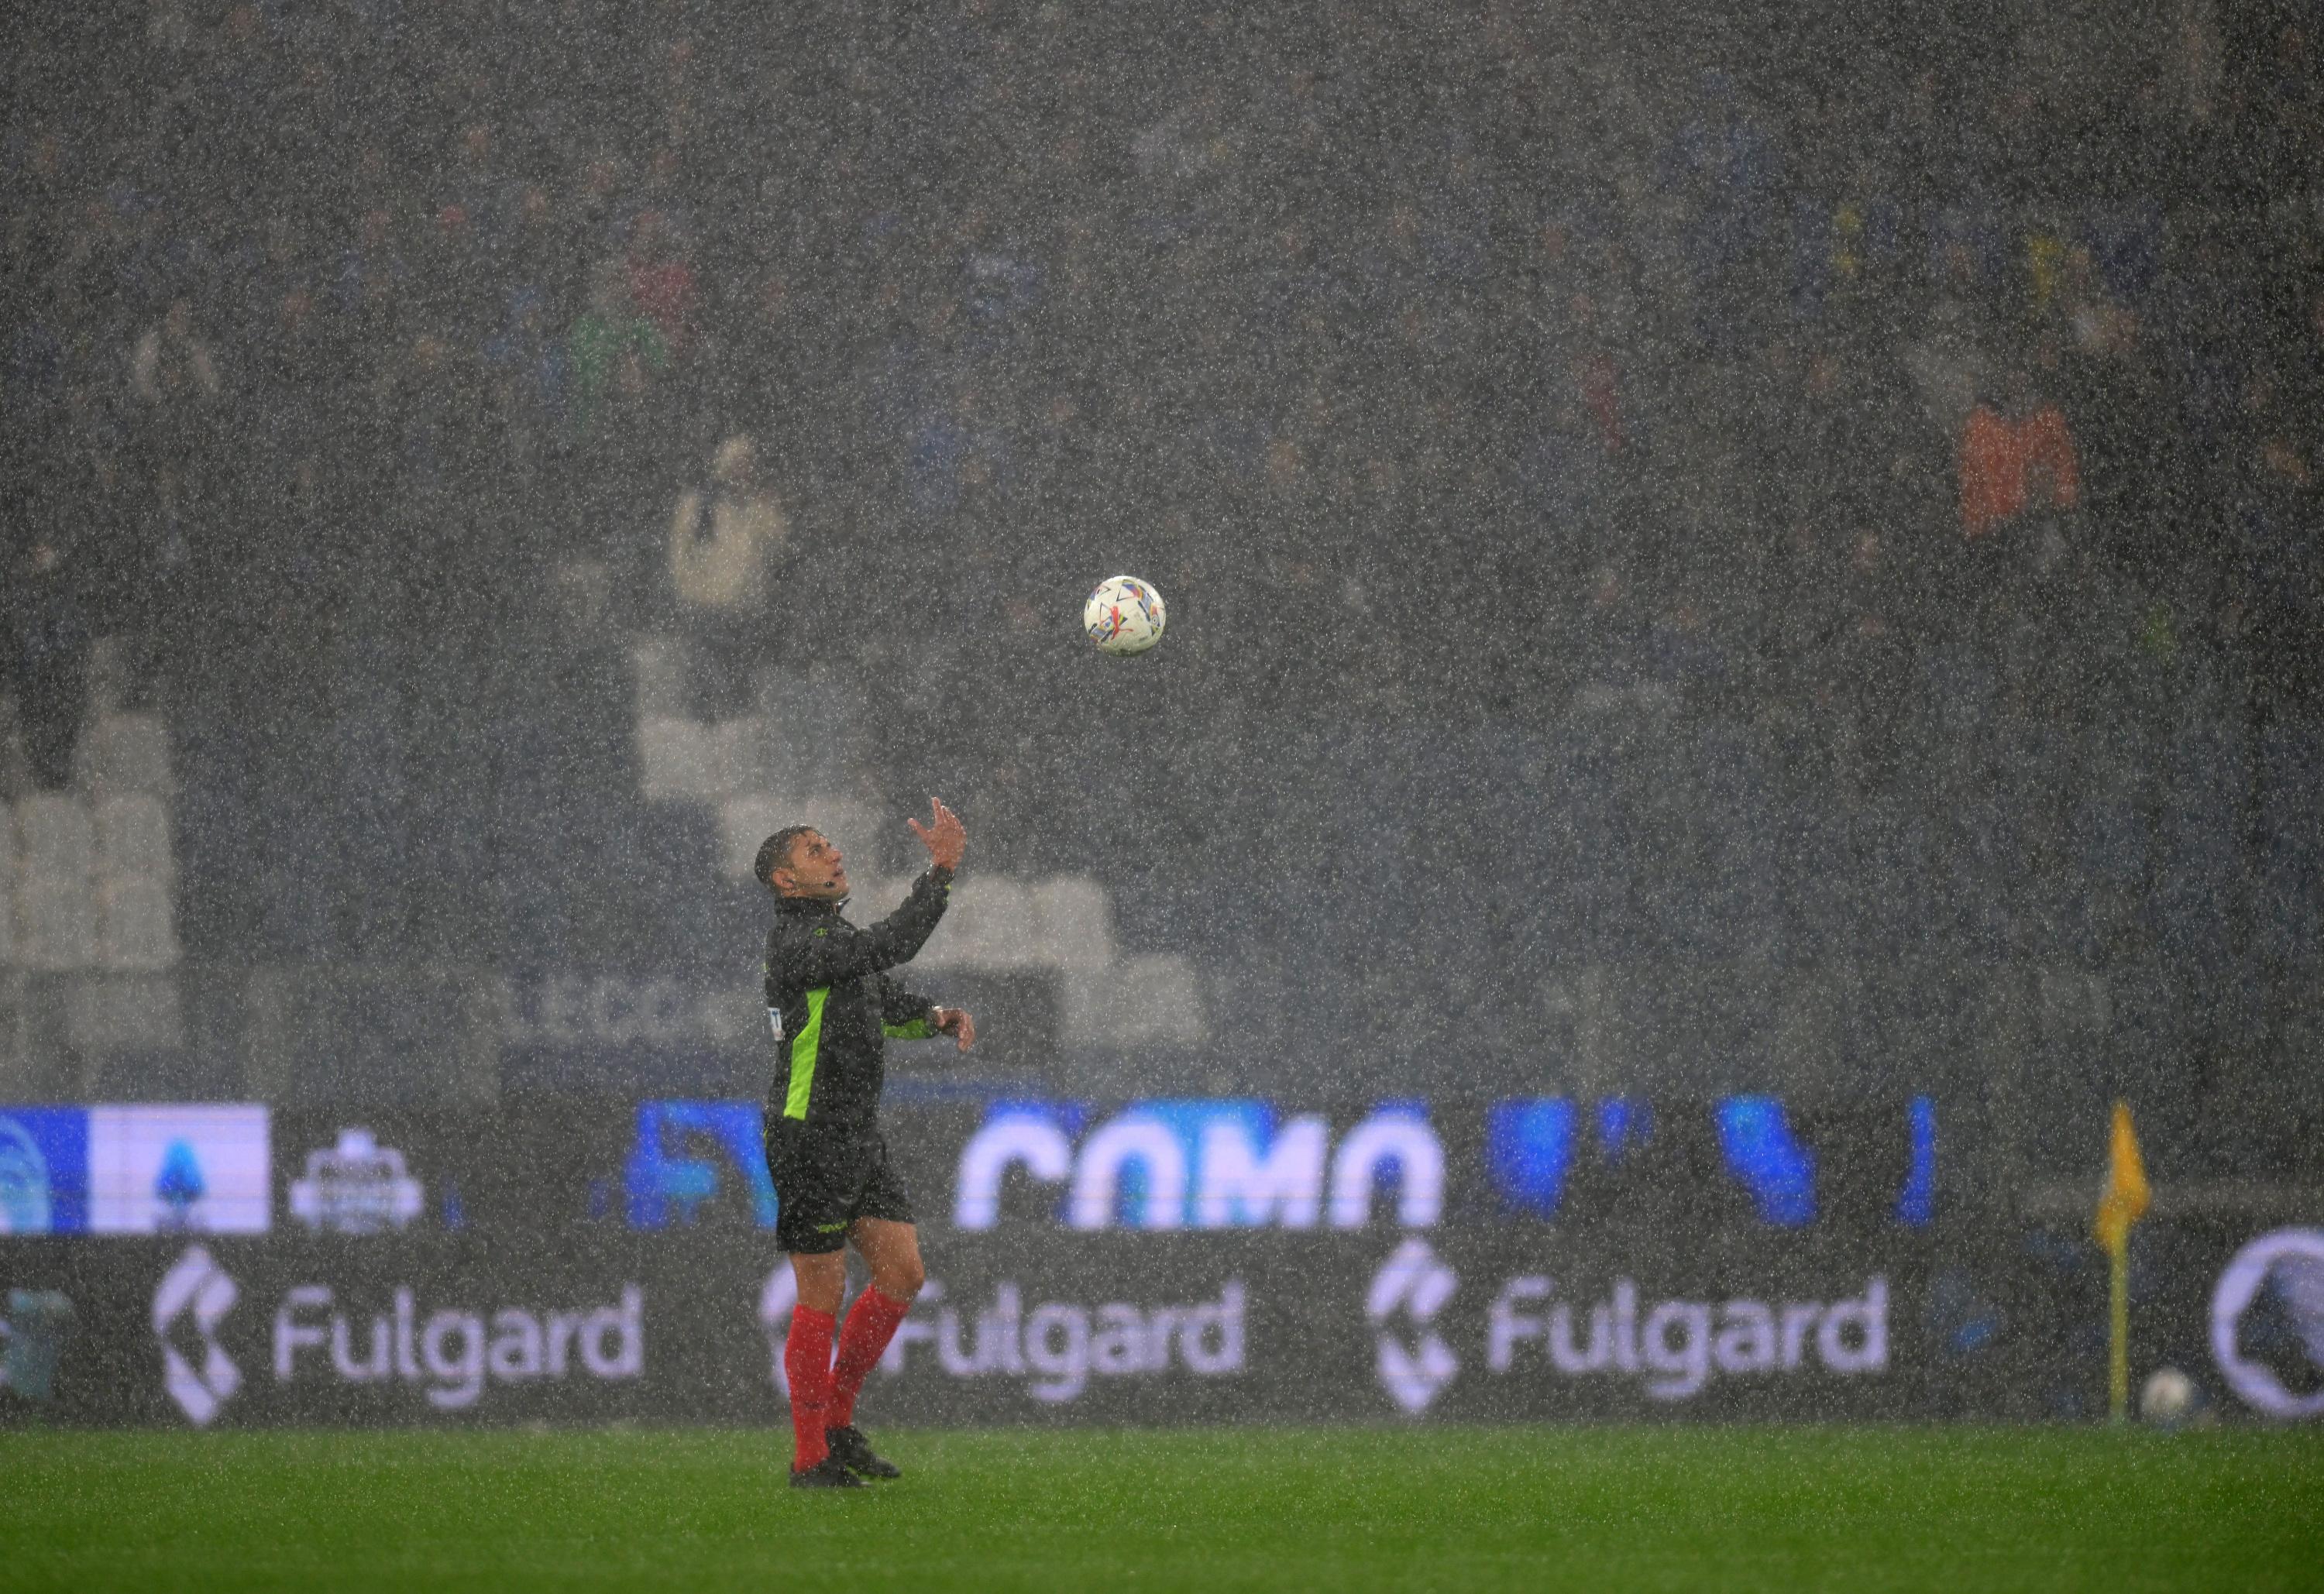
(126, 1013)
(381, 1038)
(819, 717)
(657, 666)
(56, 928)
(132, 840)
(1073, 923)
(134, 929)
(57, 837)
(988, 926)
(744, 822)
(218, 840)
(1136, 1001)
(124, 754)
(108, 676)
(677, 760)
(742, 756)
(778, 693)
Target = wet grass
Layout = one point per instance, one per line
(1450, 1508)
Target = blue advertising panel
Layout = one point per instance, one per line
(158, 1168)
(1536, 1149)
(1227, 1163)
(1152, 1165)
(687, 1154)
(43, 1170)
(180, 1168)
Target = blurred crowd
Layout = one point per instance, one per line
(1476, 366)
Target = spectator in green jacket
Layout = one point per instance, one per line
(609, 334)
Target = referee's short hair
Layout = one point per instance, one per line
(775, 851)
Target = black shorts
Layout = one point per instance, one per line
(821, 1187)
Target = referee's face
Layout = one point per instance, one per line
(815, 870)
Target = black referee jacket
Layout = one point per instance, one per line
(832, 1007)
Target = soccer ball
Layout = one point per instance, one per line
(2168, 1396)
(1124, 615)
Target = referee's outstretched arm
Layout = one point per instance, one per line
(839, 951)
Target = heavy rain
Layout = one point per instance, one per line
(1666, 932)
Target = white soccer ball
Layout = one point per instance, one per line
(2168, 1395)
(1124, 615)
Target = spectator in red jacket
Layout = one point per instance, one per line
(2018, 454)
(661, 283)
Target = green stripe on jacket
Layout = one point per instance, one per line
(804, 1046)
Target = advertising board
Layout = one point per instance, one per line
(1017, 1165)
(1179, 1260)
(378, 1331)
(151, 1168)
(2267, 1324)
(1009, 1165)
(393, 1330)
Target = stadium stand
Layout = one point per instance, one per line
(1691, 525)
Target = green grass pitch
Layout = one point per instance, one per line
(1957, 1509)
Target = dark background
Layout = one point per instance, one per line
(1548, 429)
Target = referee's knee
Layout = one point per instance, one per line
(902, 1278)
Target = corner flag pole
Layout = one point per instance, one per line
(2118, 1335)
(2121, 1204)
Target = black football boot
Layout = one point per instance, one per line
(852, 1451)
(827, 1473)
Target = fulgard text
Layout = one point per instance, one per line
(456, 1352)
(1675, 1346)
(1057, 1347)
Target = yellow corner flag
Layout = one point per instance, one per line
(2124, 1199)
(2121, 1204)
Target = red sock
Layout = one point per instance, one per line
(807, 1362)
(870, 1324)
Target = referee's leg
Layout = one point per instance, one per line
(821, 1278)
(892, 1248)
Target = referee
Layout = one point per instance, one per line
(833, 1005)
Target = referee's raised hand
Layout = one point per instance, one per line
(943, 836)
